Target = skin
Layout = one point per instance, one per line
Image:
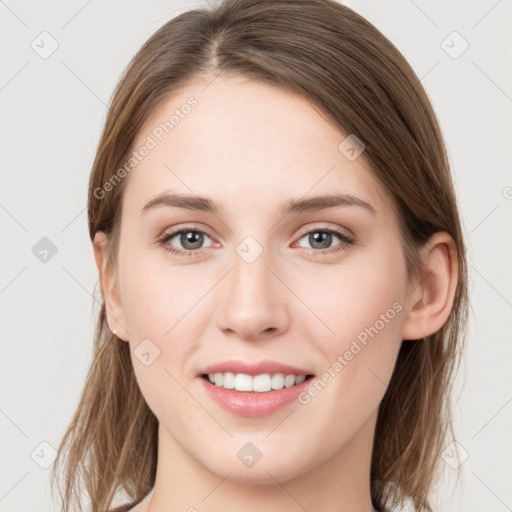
(251, 147)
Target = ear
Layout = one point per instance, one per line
(430, 301)
(109, 287)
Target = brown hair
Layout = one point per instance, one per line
(346, 68)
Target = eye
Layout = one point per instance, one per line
(320, 240)
(191, 240)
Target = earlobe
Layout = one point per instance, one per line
(430, 301)
(109, 289)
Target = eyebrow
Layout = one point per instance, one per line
(203, 204)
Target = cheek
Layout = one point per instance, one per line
(366, 319)
(156, 298)
(158, 310)
(362, 304)
(355, 296)
(164, 309)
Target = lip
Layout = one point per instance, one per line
(253, 403)
(253, 369)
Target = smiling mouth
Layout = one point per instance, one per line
(263, 383)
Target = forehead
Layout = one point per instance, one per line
(236, 139)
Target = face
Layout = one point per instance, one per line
(316, 290)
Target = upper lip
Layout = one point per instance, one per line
(258, 368)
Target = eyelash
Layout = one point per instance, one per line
(346, 241)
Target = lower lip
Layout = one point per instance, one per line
(253, 403)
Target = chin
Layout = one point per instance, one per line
(263, 472)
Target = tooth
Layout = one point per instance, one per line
(229, 380)
(278, 381)
(261, 383)
(289, 381)
(243, 382)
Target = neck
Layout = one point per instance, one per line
(340, 482)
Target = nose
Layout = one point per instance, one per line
(254, 301)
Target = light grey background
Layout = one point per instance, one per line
(53, 110)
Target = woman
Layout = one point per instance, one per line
(282, 270)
